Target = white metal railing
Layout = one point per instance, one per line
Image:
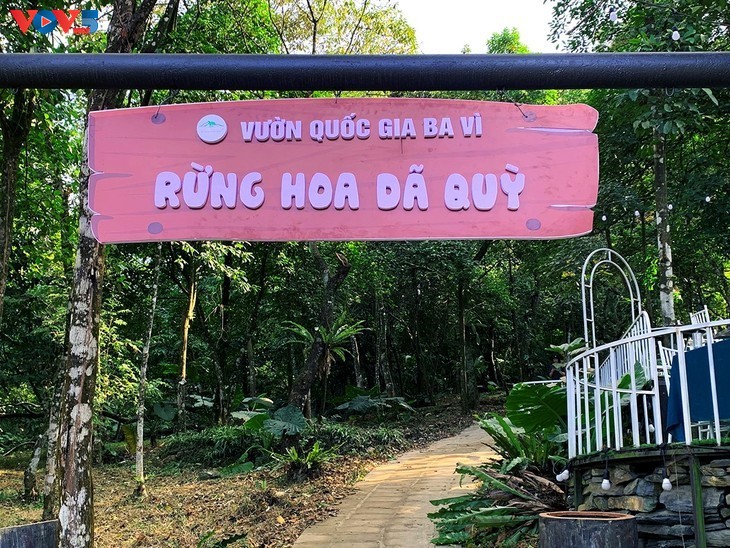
(613, 389)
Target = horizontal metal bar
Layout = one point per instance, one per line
(366, 72)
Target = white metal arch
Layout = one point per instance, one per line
(611, 259)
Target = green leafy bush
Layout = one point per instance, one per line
(214, 446)
(303, 463)
(220, 446)
(500, 513)
(366, 403)
(513, 490)
(519, 450)
(538, 406)
(287, 421)
(353, 439)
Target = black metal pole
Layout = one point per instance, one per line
(366, 72)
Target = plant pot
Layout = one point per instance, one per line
(589, 529)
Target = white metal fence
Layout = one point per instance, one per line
(614, 394)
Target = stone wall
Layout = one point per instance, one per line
(664, 518)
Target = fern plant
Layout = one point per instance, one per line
(500, 513)
(515, 489)
(536, 451)
(302, 464)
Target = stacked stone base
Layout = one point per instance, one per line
(664, 518)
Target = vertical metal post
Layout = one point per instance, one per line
(713, 384)
(684, 391)
(570, 386)
(616, 400)
(656, 403)
(695, 477)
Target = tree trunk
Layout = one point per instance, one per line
(468, 381)
(76, 514)
(303, 383)
(423, 382)
(139, 460)
(251, 376)
(14, 130)
(493, 371)
(192, 292)
(77, 398)
(516, 337)
(395, 358)
(30, 489)
(51, 484)
(331, 283)
(246, 355)
(221, 348)
(360, 380)
(664, 238)
(381, 348)
(648, 300)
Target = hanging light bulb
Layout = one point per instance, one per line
(563, 476)
(604, 218)
(707, 199)
(666, 484)
(606, 483)
(670, 207)
(651, 428)
(636, 213)
(612, 15)
(675, 34)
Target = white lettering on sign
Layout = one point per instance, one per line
(484, 190)
(277, 130)
(202, 185)
(320, 192)
(396, 128)
(332, 129)
(432, 127)
(415, 190)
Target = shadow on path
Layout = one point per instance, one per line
(391, 504)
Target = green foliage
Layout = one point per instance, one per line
(301, 464)
(513, 490)
(335, 339)
(568, 350)
(287, 421)
(536, 451)
(242, 466)
(165, 411)
(366, 403)
(258, 402)
(538, 406)
(253, 420)
(130, 437)
(354, 439)
(501, 512)
(213, 446)
(507, 41)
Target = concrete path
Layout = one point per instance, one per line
(391, 504)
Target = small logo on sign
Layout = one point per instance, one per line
(212, 129)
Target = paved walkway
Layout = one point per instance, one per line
(391, 504)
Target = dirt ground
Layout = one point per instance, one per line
(256, 509)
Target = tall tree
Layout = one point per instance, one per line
(76, 515)
(662, 116)
(15, 121)
(142, 394)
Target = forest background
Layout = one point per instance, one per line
(297, 323)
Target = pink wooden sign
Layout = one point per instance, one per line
(343, 169)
